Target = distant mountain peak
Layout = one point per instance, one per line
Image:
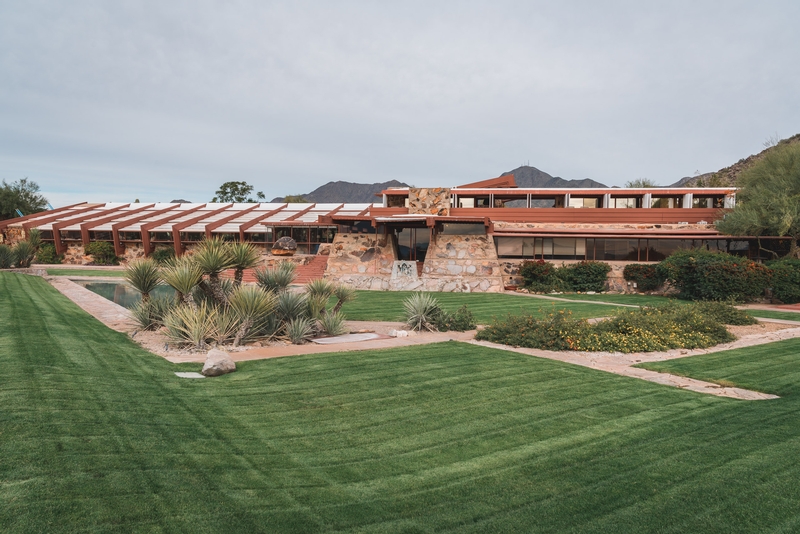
(527, 176)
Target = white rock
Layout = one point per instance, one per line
(218, 362)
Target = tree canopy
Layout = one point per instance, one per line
(641, 183)
(294, 198)
(22, 195)
(768, 201)
(236, 192)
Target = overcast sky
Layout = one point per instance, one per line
(113, 101)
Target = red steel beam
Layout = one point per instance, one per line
(122, 224)
(177, 227)
(59, 243)
(147, 226)
(249, 224)
(85, 227)
(8, 222)
(210, 227)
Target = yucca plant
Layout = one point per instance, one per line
(6, 257)
(278, 278)
(291, 305)
(213, 256)
(421, 312)
(149, 314)
(332, 324)
(253, 306)
(343, 294)
(299, 330)
(24, 253)
(315, 306)
(35, 238)
(320, 288)
(144, 275)
(245, 256)
(192, 326)
(183, 275)
(226, 324)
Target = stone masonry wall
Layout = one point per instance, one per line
(462, 263)
(363, 261)
(503, 225)
(429, 201)
(12, 235)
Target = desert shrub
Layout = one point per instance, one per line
(299, 330)
(226, 324)
(785, 280)
(163, 255)
(640, 330)
(149, 314)
(644, 275)
(253, 306)
(703, 275)
(460, 321)
(332, 324)
(183, 276)
(555, 331)
(291, 306)
(34, 238)
(102, 253)
(24, 253)
(585, 275)
(541, 276)
(321, 288)
(316, 305)
(6, 257)
(422, 311)
(725, 312)
(276, 278)
(47, 254)
(343, 294)
(144, 275)
(192, 326)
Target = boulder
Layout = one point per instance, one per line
(218, 362)
(285, 246)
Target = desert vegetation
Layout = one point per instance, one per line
(208, 309)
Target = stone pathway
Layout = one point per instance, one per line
(118, 318)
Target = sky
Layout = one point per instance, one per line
(116, 101)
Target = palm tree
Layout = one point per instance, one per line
(213, 256)
(245, 256)
(144, 275)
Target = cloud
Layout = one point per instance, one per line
(165, 100)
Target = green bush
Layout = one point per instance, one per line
(460, 321)
(541, 276)
(163, 255)
(6, 257)
(644, 275)
(641, 330)
(702, 275)
(47, 254)
(585, 275)
(785, 280)
(102, 253)
(24, 253)
(422, 312)
(725, 312)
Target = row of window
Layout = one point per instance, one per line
(570, 248)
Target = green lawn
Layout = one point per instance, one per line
(57, 271)
(633, 299)
(769, 314)
(98, 435)
(388, 305)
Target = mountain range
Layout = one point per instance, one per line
(527, 176)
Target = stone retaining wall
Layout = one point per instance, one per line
(462, 263)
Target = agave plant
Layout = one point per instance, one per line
(226, 324)
(144, 275)
(245, 256)
(24, 253)
(194, 326)
(332, 324)
(149, 314)
(278, 278)
(183, 275)
(6, 257)
(421, 311)
(253, 306)
(299, 330)
(343, 294)
(291, 305)
(213, 256)
(35, 238)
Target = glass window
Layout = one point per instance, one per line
(259, 237)
(71, 235)
(192, 236)
(100, 236)
(282, 231)
(666, 202)
(463, 229)
(161, 236)
(563, 248)
(509, 247)
(626, 202)
(130, 236)
(617, 249)
(583, 202)
(300, 234)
